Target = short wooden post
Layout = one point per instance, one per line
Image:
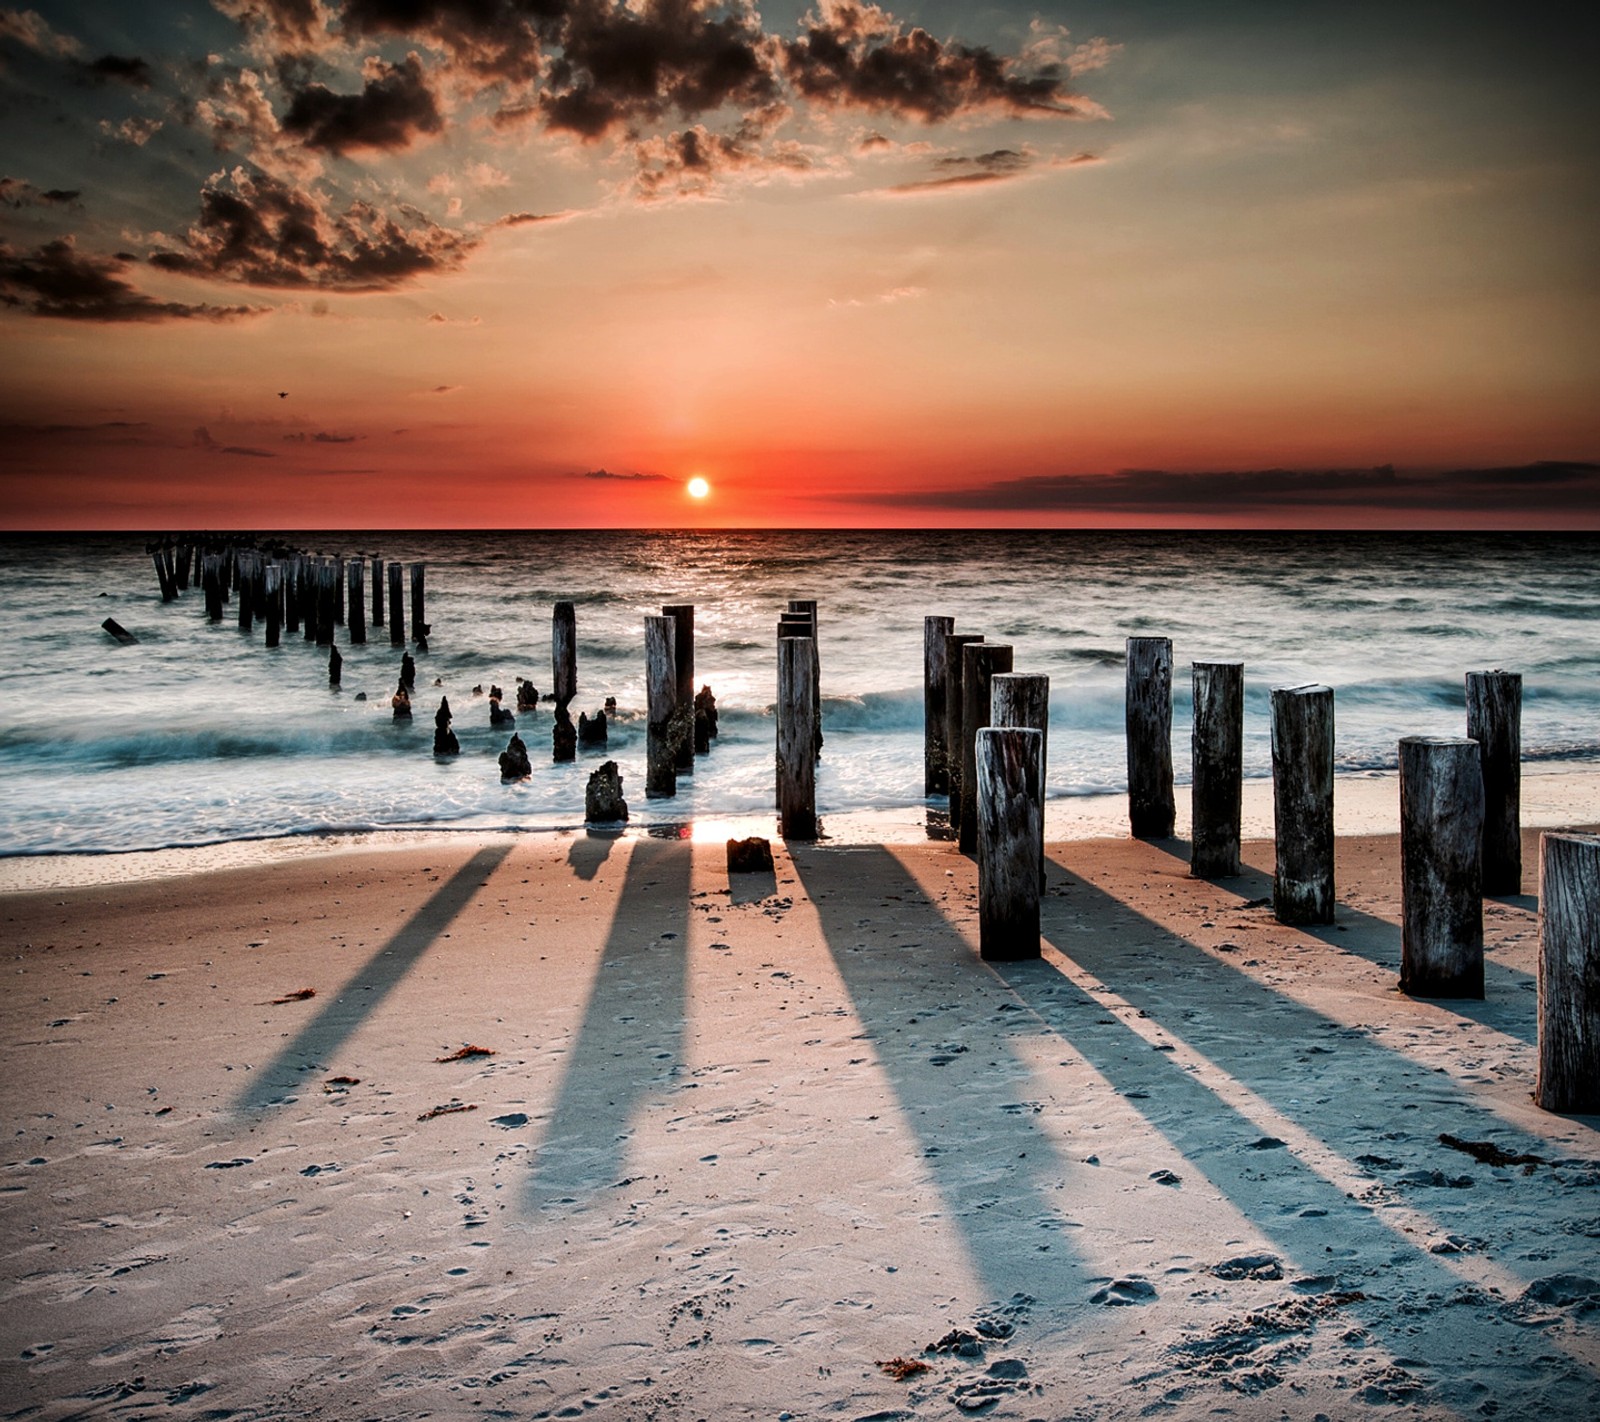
(955, 707)
(797, 761)
(397, 617)
(1494, 721)
(1022, 700)
(377, 592)
(419, 611)
(935, 688)
(564, 652)
(1441, 877)
(661, 696)
(1569, 973)
(979, 663)
(1217, 747)
(274, 585)
(1008, 770)
(355, 571)
(682, 614)
(1302, 803)
(1152, 808)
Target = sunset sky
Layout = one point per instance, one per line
(536, 263)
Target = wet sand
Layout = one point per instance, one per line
(732, 1148)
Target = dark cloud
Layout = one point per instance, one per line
(121, 69)
(854, 55)
(203, 440)
(696, 160)
(19, 193)
(321, 437)
(1554, 484)
(293, 26)
(528, 219)
(56, 280)
(394, 107)
(264, 232)
(624, 478)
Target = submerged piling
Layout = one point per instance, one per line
(419, 614)
(355, 570)
(397, 621)
(377, 592)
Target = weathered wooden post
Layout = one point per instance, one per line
(1021, 700)
(338, 590)
(247, 598)
(1569, 973)
(682, 615)
(1302, 803)
(1441, 879)
(419, 612)
(797, 757)
(1008, 769)
(211, 580)
(1217, 747)
(935, 689)
(1151, 806)
(377, 592)
(1494, 721)
(807, 607)
(327, 593)
(291, 592)
(311, 595)
(564, 652)
(168, 590)
(979, 663)
(661, 700)
(185, 558)
(274, 585)
(955, 706)
(355, 571)
(397, 617)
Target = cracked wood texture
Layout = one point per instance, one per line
(979, 663)
(935, 691)
(661, 700)
(1569, 973)
(1007, 764)
(1441, 879)
(797, 758)
(1217, 746)
(1494, 721)
(1302, 803)
(1151, 806)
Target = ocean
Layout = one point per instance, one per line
(200, 735)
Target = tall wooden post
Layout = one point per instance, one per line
(1302, 803)
(1441, 878)
(291, 592)
(168, 590)
(1152, 809)
(274, 583)
(935, 688)
(185, 556)
(807, 607)
(797, 760)
(311, 596)
(1008, 769)
(247, 598)
(564, 652)
(327, 595)
(397, 616)
(1022, 700)
(1494, 721)
(1569, 973)
(377, 592)
(682, 615)
(338, 590)
(211, 579)
(419, 611)
(1217, 746)
(661, 697)
(955, 709)
(355, 570)
(979, 663)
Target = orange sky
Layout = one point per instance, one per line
(1223, 247)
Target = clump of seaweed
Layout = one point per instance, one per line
(466, 1053)
(449, 1108)
(902, 1368)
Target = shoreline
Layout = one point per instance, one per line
(1555, 795)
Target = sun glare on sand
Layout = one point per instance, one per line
(698, 488)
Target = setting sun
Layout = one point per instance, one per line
(698, 488)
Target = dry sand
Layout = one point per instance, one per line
(733, 1152)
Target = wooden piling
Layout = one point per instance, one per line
(377, 592)
(1008, 768)
(954, 710)
(327, 591)
(185, 559)
(1217, 747)
(1152, 809)
(661, 696)
(1441, 879)
(211, 582)
(291, 592)
(419, 611)
(273, 580)
(1569, 974)
(796, 715)
(807, 607)
(338, 591)
(1494, 721)
(682, 614)
(1302, 803)
(979, 663)
(169, 591)
(246, 592)
(1021, 700)
(311, 596)
(564, 654)
(935, 689)
(397, 618)
(355, 571)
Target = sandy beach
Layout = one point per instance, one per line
(567, 1126)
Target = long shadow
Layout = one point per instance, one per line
(1353, 1267)
(325, 1033)
(1273, 1044)
(631, 1044)
(587, 854)
(920, 999)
